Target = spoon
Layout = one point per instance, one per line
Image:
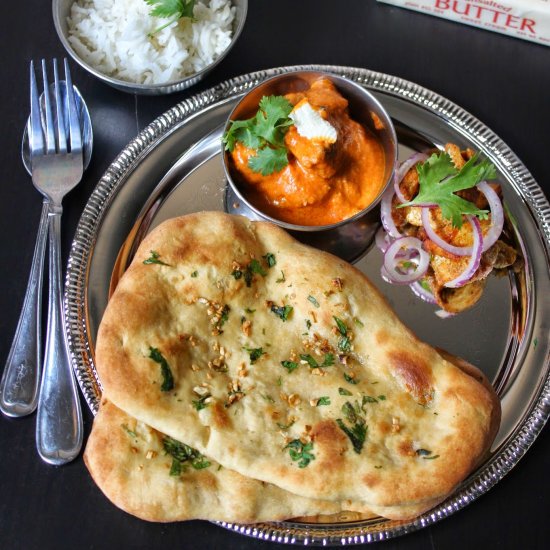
(21, 376)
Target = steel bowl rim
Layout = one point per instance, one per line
(314, 228)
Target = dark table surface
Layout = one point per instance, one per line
(503, 81)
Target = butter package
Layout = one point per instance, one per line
(527, 19)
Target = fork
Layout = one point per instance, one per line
(57, 167)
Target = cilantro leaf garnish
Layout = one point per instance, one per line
(169, 8)
(130, 432)
(289, 365)
(224, 316)
(200, 403)
(270, 259)
(357, 433)
(439, 180)
(265, 133)
(349, 412)
(342, 329)
(328, 360)
(272, 119)
(300, 452)
(423, 452)
(313, 300)
(426, 454)
(324, 400)
(154, 259)
(370, 399)
(283, 312)
(268, 160)
(167, 377)
(350, 379)
(343, 391)
(344, 343)
(174, 9)
(253, 267)
(255, 354)
(182, 454)
(256, 267)
(241, 130)
(285, 426)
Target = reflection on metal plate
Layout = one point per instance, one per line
(174, 167)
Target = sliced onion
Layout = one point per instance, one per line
(403, 169)
(382, 239)
(439, 241)
(386, 215)
(392, 259)
(497, 215)
(442, 314)
(422, 293)
(475, 258)
(489, 239)
(385, 275)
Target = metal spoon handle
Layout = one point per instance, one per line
(59, 420)
(21, 376)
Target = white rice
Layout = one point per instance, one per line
(113, 37)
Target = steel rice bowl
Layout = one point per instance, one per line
(61, 12)
(351, 237)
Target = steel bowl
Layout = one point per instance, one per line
(61, 12)
(351, 237)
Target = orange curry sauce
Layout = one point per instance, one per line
(322, 183)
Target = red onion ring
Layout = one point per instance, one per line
(439, 241)
(382, 240)
(385, 275)
(403, 169)
(442, 314)
(391, 260)
(422, 293)
(475, 258)
(386, 215)
(490, 238)
(497, 215)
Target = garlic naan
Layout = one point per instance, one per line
(130, 463)
(285, 364)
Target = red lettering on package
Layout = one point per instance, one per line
(486, 14)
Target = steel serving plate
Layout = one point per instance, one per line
(174, 167)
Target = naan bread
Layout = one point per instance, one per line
(296, 373)
(127, 460)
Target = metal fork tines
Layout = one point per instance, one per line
(57, 167)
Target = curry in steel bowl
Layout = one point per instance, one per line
(309, 150)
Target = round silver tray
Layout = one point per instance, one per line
(174, 167)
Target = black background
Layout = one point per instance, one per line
(503, 81)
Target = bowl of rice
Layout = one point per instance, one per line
(149, 47)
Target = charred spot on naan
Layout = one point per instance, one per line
(331, 442)
(413, 374)
(371, 480)
(220, 418)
